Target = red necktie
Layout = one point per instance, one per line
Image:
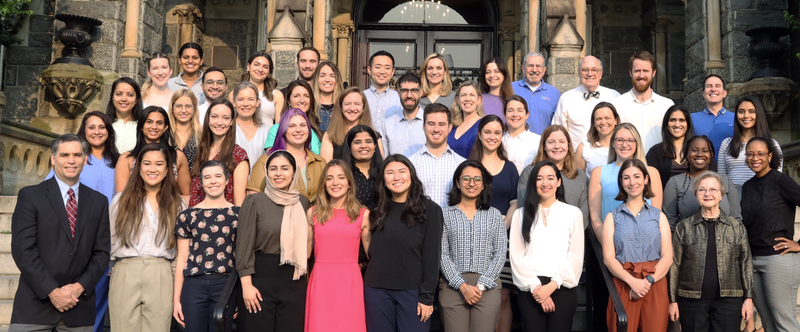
(72, 212)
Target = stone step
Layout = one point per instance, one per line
(7, 204)
(6, 306)
(8, 286)
(5, 243)
(5, 223)
(7, 266)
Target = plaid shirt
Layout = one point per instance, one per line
(473, 246)
(436, 173)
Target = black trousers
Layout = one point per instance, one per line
(199, 296)
(393, 310)
(533, 317)
(284, 300)
(710, 315)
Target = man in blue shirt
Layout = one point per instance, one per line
(714, 121)
(542, 98)
(403, 132)
(379, 96)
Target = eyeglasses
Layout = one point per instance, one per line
(467, 179)
(703, 191)
(591, 70)
(217, 83)
(534, 66)
(761, 155)
(407, 91)
(621, 141)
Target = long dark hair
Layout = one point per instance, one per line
(774, 162)
(531, 205)
(166, 138)
(110, 153)
(225, 153)
(633, 162)
(667, 140)
(270, 83)
(136, 112)
(477, 148)
(761, 127)
(505, 88)
(484, 201)
(347, 154)
(414, 211)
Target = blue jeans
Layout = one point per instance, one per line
(199, 296)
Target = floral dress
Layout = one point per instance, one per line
(213, 239)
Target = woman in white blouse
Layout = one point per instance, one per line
(546, 249)
(251, 132)
(521, 144)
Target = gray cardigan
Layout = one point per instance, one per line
(576, 191)
(680, 203)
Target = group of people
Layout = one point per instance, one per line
(337, 210)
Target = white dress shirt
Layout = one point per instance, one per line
(555, 250)
(522, 149)
(201, 111)
(575, 112)
(645, 116)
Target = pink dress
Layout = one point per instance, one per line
(335, 298)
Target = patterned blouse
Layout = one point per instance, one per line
(213, 239)
(190, 150)
(197, 194)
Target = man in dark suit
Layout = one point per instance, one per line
(60, 243)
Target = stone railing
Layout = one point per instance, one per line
(26, 155)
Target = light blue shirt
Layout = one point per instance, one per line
(64, 188)
(379, 103)
(435, 173)
(637, 238)
(542, 103)
(716, 127)
(402, 135)
(97, 176)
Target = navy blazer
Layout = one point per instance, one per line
(47, 257)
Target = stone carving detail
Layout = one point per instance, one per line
(343, 30)
(189, 14)
(507, 33)
(775, 93)
(661, 24)
(71, 87)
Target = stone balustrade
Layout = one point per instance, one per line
(25, 155)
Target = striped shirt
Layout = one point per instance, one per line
(473, 246)
(736, 169)
(435, 173)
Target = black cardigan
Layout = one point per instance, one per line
(768, 208)
(656, 158)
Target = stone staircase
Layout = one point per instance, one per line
(9, 274)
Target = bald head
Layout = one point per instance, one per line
(591, 72)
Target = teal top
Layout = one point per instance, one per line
(314, 146)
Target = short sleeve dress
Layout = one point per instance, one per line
(197, 194)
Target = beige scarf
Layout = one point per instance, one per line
(294, 226)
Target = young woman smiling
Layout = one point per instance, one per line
(259, 72)
(190, 57)
(143, 243)
(351, 109)
(155, 91)
(186, 123)
(251, 133)
(124, 110)
(467, 111)
(489, 151)
(154, 128)
(218, 142)
(300, 96)
(594, 150)
(327, 86)
(361, 149)
(520, 143)
(669, 157)
(496, 86)
(436, 82)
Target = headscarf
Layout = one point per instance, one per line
(294, 226)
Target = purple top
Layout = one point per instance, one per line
(493, 105)
(463, 145)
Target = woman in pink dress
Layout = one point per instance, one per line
(335, 296)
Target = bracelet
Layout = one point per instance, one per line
(466, 290)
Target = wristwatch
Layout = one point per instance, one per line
(650, 279)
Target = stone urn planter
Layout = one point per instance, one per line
(76, 37)
(768, 48)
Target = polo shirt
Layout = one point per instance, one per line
(646, 116)
(574, 112)
(542, 103)
(402, 135)
(716, 127)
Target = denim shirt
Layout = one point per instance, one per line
(734, 260)
(637, 238)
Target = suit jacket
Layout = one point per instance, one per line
(47, 257)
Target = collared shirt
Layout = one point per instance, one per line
(201, 111)
(575, 112)
(716, 127)
(402, 135)
(379, 103)
(522, 149)
(96, 175)
(555, 249)
(646, 116)
(64, 188)
(176, 83)
(145, 245)
(637, 238)
(435, 172)
(542, 103)
(473, 246)
(126, 135)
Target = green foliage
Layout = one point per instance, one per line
(10, 14)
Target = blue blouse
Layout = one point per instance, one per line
(504, 187)
(97, 176)
(637, 238)
(463, 145)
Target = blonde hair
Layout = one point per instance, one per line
(639, 154)
(458, 113)
(243, 85)
(447, 83)
(337, 86)
(323, 211)
(569, 168)
(194, 123)
(148, 83)
(337, 128)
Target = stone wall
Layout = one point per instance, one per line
(617, 28)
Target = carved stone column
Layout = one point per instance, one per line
(319, 27)
(580, 21)
(565, 52)
(189, 16)
(714, 36)
(131, 49)
(342, 31)
(660, 28)
(507, 35)
(533, 25)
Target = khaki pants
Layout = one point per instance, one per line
(459, 316)
(140, 295)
